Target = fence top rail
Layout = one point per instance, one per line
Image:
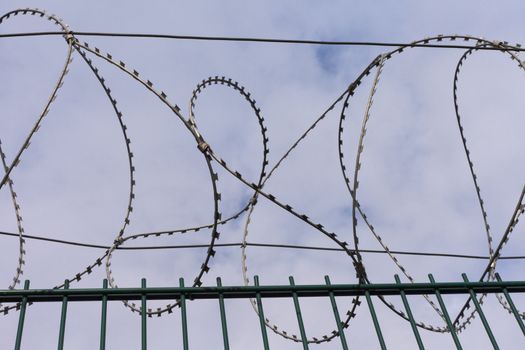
(265, 291)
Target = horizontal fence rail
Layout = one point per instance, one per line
(23, 297)
(273, 291)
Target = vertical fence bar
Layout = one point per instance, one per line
(21, 318)
(481, 315)
(336, 315)
(184, 317)
(223, 317)
(375, 320)
(410, 316)
(144, 315)
(304, 339)
(512, 306)
(445, 314)
(63, 314)
(103, 316)
(261, 314)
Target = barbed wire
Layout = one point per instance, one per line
(212, 160)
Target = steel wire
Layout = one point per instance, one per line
(211, 158)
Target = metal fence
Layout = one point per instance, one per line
(23, 297)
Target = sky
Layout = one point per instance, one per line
(414, 183)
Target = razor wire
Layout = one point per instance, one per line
(212, 160)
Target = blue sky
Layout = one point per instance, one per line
(415, 187)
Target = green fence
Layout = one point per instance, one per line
(22, 298)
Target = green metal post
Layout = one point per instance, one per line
(223, 317)
(21, 319)
(375, 320)
(482, 315)
(103, 316)
(336, 315)
(512, 306)
(261, 314)
(304, 339)
(144, 316)
(62, 330)
(446, 315)
(184, 317)
(410, 316)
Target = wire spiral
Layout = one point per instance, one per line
(212, 160)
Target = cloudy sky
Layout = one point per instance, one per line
(415, 187)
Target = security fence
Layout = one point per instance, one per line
(258, 293)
